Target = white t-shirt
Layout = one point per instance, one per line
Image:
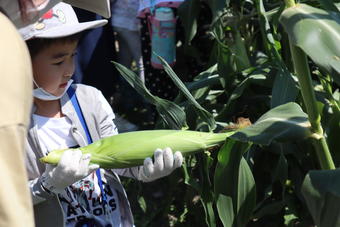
(82, 200)
(54, 133)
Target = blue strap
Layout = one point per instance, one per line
(152, 7)
(71, 93)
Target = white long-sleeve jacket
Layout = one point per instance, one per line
(99, 119)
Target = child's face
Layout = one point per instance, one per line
(54, 66)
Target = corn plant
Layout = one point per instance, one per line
(271, 75)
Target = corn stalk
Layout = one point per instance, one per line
(303, 73)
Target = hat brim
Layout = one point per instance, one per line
(70, 29)
(101, 7)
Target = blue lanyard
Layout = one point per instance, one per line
(71, 93)
(152, 7)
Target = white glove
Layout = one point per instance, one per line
(72, 167)
(165, 163)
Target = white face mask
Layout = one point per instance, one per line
(40, 93)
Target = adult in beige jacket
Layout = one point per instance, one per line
(16, 101)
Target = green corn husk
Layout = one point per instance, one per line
(130, 149)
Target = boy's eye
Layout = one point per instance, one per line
(61, 60)
(58, 63)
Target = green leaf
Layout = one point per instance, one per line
(258, 76)
(226, 68)
(234, 179)
(207, 73)
(209, 214)
(240, 52)
(290, 219)
(333, 133)
(285, 88)
(267, 36)
(317, 33)
(142, 203)
(329, 5)
(189, 180)
(188, 12)
(217, 7)
(200, 89)
(204, 114)
(321, 192)
(228, 160)
(173, 115)
(202, 83)
(238, 91)
(225, 210)
(207, 195)
(283, 123)
(281, 171)
(269, 209)
(246, 199)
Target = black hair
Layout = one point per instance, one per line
(38, 44)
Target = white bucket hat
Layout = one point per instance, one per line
(60, 21)
(11, 9)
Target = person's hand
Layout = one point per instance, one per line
(72, 167)
(164, 163)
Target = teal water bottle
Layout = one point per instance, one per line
(163, 37)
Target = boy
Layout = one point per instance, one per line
(74, 193)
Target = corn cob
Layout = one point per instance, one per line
(131, 148)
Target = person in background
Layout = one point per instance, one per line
(66, 115)
(95, 53)
(127, 28)
(96, 50)
(15, 101)
(156, 79)
(16, 208)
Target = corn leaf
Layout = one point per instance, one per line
(233, 178)
(285, 88)
(317, 33)
(188, 12)
(333, 133)
(209, 214)
(329, 5)
(204, 82)
(286, 122)
(225, 210)
(259, 76)
(173, 115)
(321, 191)
(201, 86)
(217, 7)
(204, 114)
(205, 162)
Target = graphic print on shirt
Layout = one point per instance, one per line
(84, 198)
